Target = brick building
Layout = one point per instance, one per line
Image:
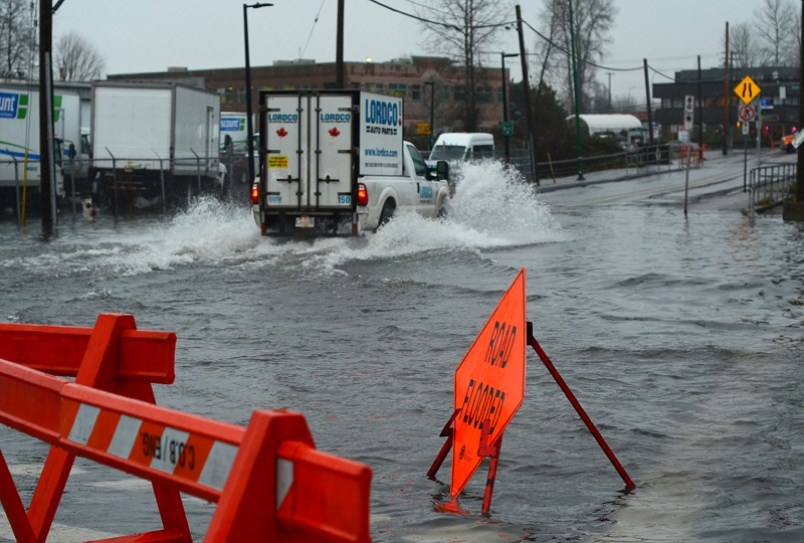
(416, 79)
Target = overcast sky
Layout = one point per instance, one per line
(150, 35)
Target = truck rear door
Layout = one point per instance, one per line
(309, 153)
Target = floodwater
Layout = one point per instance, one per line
(682, 339)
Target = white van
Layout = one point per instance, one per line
(462, 146)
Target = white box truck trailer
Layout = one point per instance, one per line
(155, 140)
(335, 162)
(19, 140)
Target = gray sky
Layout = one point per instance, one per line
(150, 35)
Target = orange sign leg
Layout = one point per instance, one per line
(629, 484)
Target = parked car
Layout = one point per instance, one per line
(786, 143)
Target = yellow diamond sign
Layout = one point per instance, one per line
(747, 90)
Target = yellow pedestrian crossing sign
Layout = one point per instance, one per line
(747, 90)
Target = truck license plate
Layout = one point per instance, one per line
(305, 221)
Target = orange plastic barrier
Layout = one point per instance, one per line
(269, 481)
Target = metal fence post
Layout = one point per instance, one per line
(114, 180)
(17, 186)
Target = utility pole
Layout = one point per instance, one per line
(526, 89)
(506, 137)
(47, 178)
(610, 74)
(700, 114)
(647, 97)
(726, 96)
(339, 79)
(800, 167)
(794, 209)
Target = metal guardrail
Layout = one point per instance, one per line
(660, 156)
(769, 186)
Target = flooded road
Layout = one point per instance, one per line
(682, 338)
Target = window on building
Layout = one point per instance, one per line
(228, 96)
(397, 89)
(678, 101)
(241, 96)
(460, 93)
(483, 95)
(416, 93)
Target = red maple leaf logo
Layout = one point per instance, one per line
(334, 132)
(282, 132)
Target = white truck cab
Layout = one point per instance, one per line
(334, 162)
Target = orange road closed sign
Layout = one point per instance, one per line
(489, 383)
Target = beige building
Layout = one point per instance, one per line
(417, 79)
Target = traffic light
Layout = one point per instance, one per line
(689, 104)
(689, 110)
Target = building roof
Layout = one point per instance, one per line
(613, 122)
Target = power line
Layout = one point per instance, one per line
(508, 24)
(589, 62)
(311, 30)
(439, 23)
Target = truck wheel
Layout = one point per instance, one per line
(442, 211)
(386, 214)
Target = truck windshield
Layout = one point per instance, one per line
(448, 152)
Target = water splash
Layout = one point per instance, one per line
(499, 208)
(492, 207)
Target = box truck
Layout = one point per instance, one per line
(20, 145)
(335, 162)
(155, 140)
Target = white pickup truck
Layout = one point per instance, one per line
(334, 162)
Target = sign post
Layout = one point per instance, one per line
(747, 90)
(747, 113)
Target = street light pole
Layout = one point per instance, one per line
(249, 122)
(431, 84)
(578, 146)
(506, 137)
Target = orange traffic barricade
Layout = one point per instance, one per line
(268, 480)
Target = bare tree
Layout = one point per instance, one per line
(461, 28)
(774, 28)
(17, 38)
(593, 22)
(793, 53)
(745, 52)
(76, 59)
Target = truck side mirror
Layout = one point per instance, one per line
(442, 170)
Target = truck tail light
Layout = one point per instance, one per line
(362, 195)
(255, 193)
